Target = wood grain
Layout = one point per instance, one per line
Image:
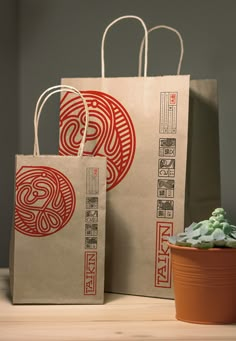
(122, 317)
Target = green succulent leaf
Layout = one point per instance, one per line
(194, 234)
(226, 228)
(204, 228)
(183, 243)
(206, 238)
(233, 228)
(172, 239)
(190, 228)
(218, 234)
(182, 235)
(220, 243)
(195, 226)
(210, 230)
(193, 242)
(233, 235)
(216, 224)
(230, 243)
(206, 245)
(219, 211)
(212, 220)
(220, 218)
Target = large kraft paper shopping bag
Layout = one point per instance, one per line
(58, 238)
(142, 125)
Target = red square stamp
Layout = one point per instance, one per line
(95, 171)
(173, 98)
(90, 273)
(164, 230)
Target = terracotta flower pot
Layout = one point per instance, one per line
(204, 284)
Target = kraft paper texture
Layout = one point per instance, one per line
(58, 237)
(161, 155)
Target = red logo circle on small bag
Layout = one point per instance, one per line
(45, 201)
(111, 132)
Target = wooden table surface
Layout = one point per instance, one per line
(122, 317)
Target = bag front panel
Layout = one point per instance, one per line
(59, 230)
(140, 124)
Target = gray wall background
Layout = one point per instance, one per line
(44, 40)
(9, 118)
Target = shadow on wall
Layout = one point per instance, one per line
(203, 165)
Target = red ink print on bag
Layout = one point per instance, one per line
(111, 132)
(162, 258)
(90, 273)
(45, 201)
(173, 98)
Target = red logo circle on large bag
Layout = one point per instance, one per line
(45, 201)
(111, 132)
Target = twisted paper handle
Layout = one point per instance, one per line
(104, 37)
(39, 106)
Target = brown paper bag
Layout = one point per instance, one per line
(58, 238)
(142, 125)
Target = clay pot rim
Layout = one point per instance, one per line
(191, 248)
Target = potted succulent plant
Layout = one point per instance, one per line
(204, 271)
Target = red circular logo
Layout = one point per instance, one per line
(111, 132)
(45, 201)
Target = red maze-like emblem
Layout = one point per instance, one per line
(111, 132)
(45, 201)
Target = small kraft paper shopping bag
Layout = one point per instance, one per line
(142, 125)
(57, 251)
